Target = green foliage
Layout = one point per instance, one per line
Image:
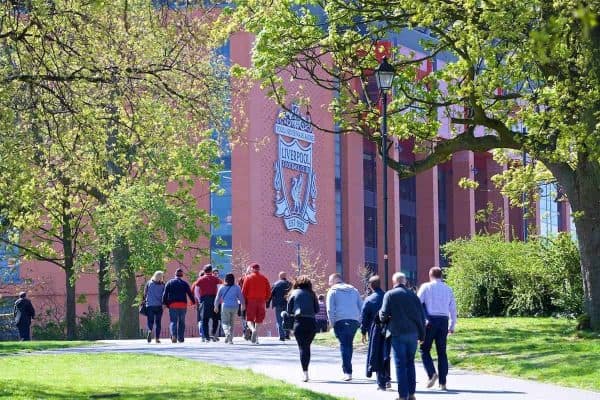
(108, 114)
(492, 277)
(519, 76)
(95, 325)
(49, 330)
(92, 325)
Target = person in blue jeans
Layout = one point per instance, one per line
(174, 297)
(278, 301)
(440, 310)
(406, 321)
(344, 307)
(153, 293)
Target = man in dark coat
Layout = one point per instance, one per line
(278, 301)
(369, 316)
(24, 313)
(403, 311)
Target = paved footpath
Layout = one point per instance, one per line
(280, 360)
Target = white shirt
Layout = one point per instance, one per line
(439, 300)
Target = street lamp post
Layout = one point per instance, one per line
(299, 259)
(384, 75)
(524, 194)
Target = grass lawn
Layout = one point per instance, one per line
(129, 376)
(15, 347)
(542, 349)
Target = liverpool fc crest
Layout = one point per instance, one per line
(295, 181)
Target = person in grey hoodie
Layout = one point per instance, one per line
(153, 293)
(344, 307)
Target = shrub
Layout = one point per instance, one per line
(492, 277)
(95, 325)
(49, 331)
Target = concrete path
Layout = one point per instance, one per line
(280, 360)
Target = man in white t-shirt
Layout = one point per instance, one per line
(440, 312)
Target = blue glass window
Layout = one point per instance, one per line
(549, 210)
(9, 264)
(221, 231)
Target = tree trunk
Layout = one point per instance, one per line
(586, 202)
(67, 240)
(129, 323)
(103, 285)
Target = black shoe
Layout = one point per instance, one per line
(181, 341)
(282, 339)
(173, 339)
(149, 336)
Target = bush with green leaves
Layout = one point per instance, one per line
(493, 277)
(95, 325)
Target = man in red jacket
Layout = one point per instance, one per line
(256, 291)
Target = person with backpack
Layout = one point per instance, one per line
(303, 305)
(153, 293)
(175, 298)
(229, 296)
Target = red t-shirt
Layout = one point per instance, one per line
(208, 285)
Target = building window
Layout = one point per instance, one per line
(338, 204)
(549, 210)
(408, 228)
(220, 203)
(370, 209)
(9, 264)
(443, 212)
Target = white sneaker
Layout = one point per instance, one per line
(347, 377)
(305, 378)
(254, 337)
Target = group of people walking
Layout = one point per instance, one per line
(393, 322)
(400, 320)
(217, 301)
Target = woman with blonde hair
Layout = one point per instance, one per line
(153, 293)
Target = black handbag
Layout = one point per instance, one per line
(288, 320)
(143, 308)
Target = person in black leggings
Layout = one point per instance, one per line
(303, 305)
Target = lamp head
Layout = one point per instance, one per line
(384, 74)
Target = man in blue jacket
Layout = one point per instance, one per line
(278, 301)
(402, 308)
(370, 309)
(174, 297)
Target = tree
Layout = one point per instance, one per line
(132, 98)
(502, 63)
(314, 267)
